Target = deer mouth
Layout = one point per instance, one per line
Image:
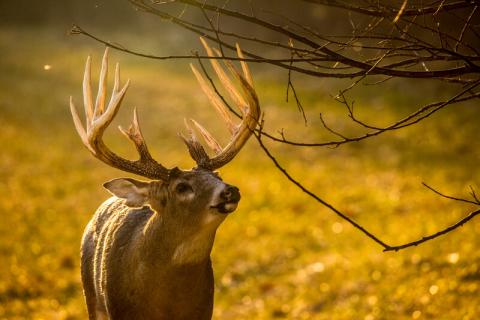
(225, 207)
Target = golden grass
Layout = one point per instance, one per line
(281, 255)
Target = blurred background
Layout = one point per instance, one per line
(280, 255)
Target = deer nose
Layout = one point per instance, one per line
(230, 194)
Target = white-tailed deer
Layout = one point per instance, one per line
(146, 251)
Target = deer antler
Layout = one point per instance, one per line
(247, 103)
(98, 118)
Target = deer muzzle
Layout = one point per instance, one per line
(229, 198)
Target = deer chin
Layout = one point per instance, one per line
(225, 207)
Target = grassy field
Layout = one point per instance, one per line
(280, 255)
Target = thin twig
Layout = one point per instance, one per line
(474, 195)
(291, 86)
(329, 129)
(458, 224)
(460, 37)
(476, 202)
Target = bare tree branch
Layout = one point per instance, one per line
(384, 11)
(355, 224)
(447, 72)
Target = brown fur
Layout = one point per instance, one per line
(153, 262)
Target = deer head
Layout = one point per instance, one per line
(180, 192)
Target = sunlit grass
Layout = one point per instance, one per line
(281, 255)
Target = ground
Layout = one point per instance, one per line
(281, 254)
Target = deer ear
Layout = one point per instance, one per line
(134, 192)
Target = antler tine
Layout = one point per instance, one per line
(241, 104)
(227, 84)
(78, 126)
(191, 134)
(245, 68)
(98, 119)
(194, 147)
(207, 136)
(104, 120)
(102, 86)
(135, 135)
(246, 87)
(216, 101)
(87, 92)
(116, 83)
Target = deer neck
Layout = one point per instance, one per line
(170, 243)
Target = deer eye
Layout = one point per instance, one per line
(183, 187)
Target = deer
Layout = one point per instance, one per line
(145, 253)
